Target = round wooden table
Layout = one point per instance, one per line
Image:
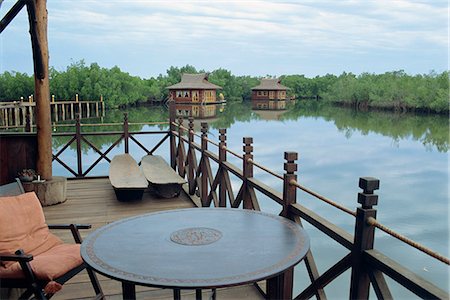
(195, 248)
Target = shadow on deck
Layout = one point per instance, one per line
(93, 201)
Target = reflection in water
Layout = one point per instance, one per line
(270, 115)
(432, 131)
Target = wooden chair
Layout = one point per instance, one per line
(36, 260)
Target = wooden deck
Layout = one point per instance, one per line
(93, 201)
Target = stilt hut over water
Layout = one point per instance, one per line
(269, 94)
(195, 96)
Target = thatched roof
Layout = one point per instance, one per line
(194, 81)
(270, 84)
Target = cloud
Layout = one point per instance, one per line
(247, 32)
(335, 25)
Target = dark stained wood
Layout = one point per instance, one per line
(328, 276)
(364, 238)
(191, 158)
(379, 285)
(221, 173)
(172, 128)
(127, 178)
(93, 201)
(10, 15)
(333, 231)
(266, 190)
(18, 151)
(407, 278)
(247, 168)
(203, 166)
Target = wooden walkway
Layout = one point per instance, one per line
(93, 201)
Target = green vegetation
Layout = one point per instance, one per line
(392, 90)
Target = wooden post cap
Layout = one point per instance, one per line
(367, 200)
(290, 166)
(369, 184)
(247, 148)
(247, 140)
(204, 127)
(223, 135)
(290, 156)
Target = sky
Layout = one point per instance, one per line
(256, 38)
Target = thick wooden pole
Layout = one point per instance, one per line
(37, 15)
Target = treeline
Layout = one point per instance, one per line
(391, 90)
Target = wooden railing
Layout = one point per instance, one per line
(368, 266)
(125, 135)
(19, 114)
(193, 160)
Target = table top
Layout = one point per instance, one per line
(196, 248)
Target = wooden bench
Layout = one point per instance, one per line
(162, 178)
(126, 178)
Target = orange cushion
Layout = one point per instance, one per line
(48, 265)
(22, 226)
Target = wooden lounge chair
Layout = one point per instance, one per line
(126, 178)
(31, 257)
(162, 178)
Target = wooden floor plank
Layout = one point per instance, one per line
(93, 201)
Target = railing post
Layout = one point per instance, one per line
(204, 174)
(191, 155)
(281, 286)
(103, 105)
(248, 170)
(173, 147)
(289, 190)
(364, 237)
(126, 134)
(78, 138)
(181, 169)
(222, 159)
(27, 123)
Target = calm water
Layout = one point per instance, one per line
(336, 146)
